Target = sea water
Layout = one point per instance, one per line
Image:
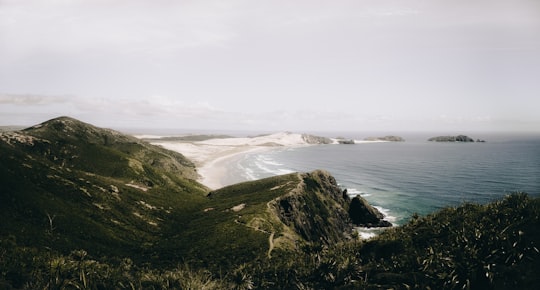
(402, 178)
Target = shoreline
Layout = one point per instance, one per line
(213, 173)
(213, 157)
(211, 161)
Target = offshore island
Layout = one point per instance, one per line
(458, 138)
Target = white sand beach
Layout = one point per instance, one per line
(212, 156)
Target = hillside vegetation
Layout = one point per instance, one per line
(90, 208)
(89, 187)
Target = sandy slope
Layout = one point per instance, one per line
(211, 156)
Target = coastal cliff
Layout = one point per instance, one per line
(363, 214)
(282, 211)
(312, 139)
(315, 209)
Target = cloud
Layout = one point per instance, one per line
(151, 112)
(30, 99)
(162, 112)
(263, 64)
(171, 113)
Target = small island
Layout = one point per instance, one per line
(389, 138)
(458, 138)
(346, 141)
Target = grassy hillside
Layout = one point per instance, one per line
(73, 185)
(492, 246)
(246, 221)
(89, 208)
(67, 185)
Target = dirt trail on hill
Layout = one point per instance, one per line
(270, 244)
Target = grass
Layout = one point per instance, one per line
(72, 222)
(493, 246)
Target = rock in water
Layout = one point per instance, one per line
(364, 215)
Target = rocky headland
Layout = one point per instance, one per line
(362, 214)
(312, 139)
(346, 141)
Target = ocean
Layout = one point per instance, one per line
(415, 176)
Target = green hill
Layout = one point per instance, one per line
(89, 188)
(98, 189)
(90, 208)
(67, 185)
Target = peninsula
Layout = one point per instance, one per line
(212, 154)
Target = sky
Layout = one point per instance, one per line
(448, 65)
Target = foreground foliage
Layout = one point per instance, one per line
(494, 246)
(468, 247)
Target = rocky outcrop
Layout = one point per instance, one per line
(389, 138)
(345, 141)
(312, 139)
(459, 138)
(316, 209)
(364, 215)
(319, 211)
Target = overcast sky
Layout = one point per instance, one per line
(273, 65)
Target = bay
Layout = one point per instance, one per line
(402, 178)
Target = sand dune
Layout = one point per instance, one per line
(211, 156)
